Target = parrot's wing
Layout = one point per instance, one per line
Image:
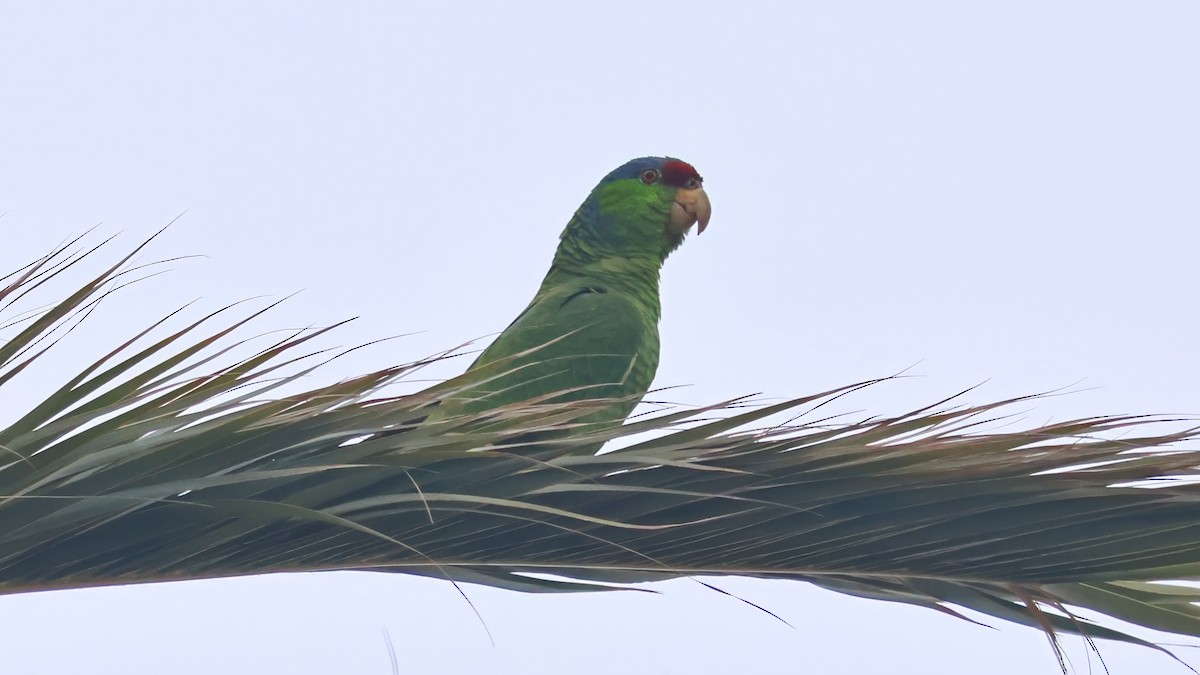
(582, 341)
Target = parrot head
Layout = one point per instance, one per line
(661, 182)
(646, 206)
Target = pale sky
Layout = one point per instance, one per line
(993, 191)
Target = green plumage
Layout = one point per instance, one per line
(591, 331)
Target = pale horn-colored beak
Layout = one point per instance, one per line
(690, 207)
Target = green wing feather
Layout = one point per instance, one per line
(579, 339)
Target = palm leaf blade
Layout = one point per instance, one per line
(127, 476)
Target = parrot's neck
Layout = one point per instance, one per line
(635, 276)
(620, 252)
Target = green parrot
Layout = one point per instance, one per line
(591, 331)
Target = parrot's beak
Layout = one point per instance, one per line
(690, 207)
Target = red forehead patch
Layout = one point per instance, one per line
(676, 172)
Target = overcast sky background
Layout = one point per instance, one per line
(999, 191)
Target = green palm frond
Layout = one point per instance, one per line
(157, 463)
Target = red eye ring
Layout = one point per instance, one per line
(649, 176)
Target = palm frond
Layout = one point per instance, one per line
(157, 463)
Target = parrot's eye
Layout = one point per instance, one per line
(649, 176)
